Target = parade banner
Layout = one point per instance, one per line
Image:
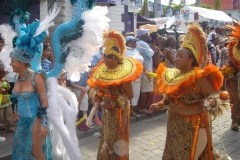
(186, 15)
(177, 14)
(169, 12)
(109, 1)
(134, 3)
(159, 9)
(150, 6)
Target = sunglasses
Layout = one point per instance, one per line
(109, 56)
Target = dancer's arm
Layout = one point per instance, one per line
(41, 89)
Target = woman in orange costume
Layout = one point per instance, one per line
(231, 73)
(191, 94)
(112, 79)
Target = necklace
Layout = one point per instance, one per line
(25, 77)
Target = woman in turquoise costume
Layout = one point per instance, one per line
(31, 139)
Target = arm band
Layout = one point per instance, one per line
(42, 114)
(15, 108)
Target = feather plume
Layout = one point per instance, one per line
(116, 35)
(7, 34)
(47, 22)
(11, 5)
(235, 30)
(84, 48)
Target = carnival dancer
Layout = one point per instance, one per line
(112, 79)
(191, 92)
(231, 72)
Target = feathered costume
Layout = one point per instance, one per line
(179, 90)
(73, 42)
(114, 144)
(231, 73)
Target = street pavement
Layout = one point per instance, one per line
(147, 139)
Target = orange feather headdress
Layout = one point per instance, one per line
(195, 40)
(235, 30)
(114, 39)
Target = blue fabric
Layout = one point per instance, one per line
(46, 65)
(22, 141)
(132, 52)
(147, 53)
(28, 107)
(83, 80)
(96, 58)
(28, 103)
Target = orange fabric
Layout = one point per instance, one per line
(133, 77)
(232, 56)
(235, 30)
(210, 71)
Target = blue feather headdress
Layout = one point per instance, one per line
(28, 45)
(28, 42)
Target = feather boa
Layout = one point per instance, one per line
(61, 111)
(7, 34)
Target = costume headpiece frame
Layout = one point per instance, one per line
(195, 41)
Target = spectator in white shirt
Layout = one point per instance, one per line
(146, 83)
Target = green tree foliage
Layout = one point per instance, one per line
(142, 11)
(217, 4)
(206, 6)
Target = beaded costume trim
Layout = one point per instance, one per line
(178, 85)
(172, 76)
(129, 71)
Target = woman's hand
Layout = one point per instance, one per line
(83, 89)
(156, 106)
(43, 132)
(107, 105)
(152, 107)
(15, 117)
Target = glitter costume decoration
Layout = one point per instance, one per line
(74, 44)
(108, 83)
(180, 91)
(231, 72)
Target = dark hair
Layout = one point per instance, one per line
(169, 40)
(45, 46)
(194, 63)
(154, 36)
(117, 50)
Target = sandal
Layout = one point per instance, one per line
(143, 111)
(134, 114)
(235, 127)
(97, 122)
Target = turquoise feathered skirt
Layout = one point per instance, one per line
(22, 141)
